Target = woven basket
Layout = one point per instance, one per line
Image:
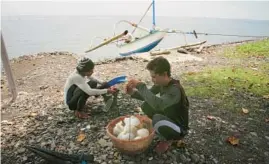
(134, 146)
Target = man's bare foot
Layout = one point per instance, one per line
(81, 115)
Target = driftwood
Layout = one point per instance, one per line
(183, 51)
(186, 46)
(186, 49)
(197, 49)
(193, 47)
(200, 49)
(164, 52)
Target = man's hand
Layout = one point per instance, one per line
(129, 90)
(112, 90)
(133, 83)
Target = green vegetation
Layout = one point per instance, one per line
(252, 49)
(222, 83)
(219, 82)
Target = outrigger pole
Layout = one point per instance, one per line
(108, 41)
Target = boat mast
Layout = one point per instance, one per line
(153, 15)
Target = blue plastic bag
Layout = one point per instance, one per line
(117, 80)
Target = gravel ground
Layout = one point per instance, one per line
(39, 117)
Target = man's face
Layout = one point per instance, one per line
(89, 73)
(158, 79)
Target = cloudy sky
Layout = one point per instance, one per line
(218, 9)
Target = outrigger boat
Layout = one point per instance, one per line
(145, 41)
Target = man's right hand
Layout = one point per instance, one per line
(112, 90)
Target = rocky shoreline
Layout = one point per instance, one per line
(39, 117)
(104, 61)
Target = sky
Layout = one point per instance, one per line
(257, 10)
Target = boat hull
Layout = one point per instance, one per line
(143, 44)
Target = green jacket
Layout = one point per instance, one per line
(173, 102)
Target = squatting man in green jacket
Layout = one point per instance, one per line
(169, 111)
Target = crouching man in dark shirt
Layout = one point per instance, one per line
(169, 111)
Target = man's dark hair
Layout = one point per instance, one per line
(159, 65)
(85, 65)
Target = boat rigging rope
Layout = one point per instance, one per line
(143, 17)
(229, 35)
(217, 34)
(185, 38)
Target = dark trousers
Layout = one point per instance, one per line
(164, 126)
(77, 98)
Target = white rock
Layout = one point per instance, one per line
(254, 134)
(21, 150)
